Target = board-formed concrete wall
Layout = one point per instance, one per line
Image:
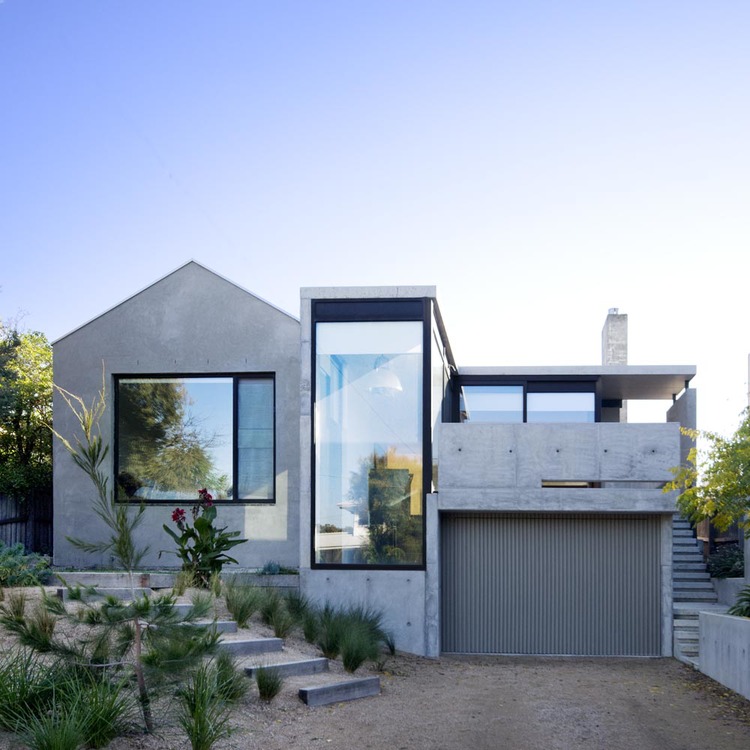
(725, 650)
(190, 322)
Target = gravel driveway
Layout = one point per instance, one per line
(518, 703)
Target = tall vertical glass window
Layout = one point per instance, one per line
(368, 443)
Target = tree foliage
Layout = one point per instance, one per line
(715, 484)
(25, 412)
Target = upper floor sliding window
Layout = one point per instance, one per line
(535, 401)
(176, 435)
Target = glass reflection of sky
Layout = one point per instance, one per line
(208, 408)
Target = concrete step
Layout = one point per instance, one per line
(114, 579)
(688, 585)
(679, 532)
(221, 626)
(688, 566)
(695, 596)
(87, 593)
(678, 542)
(250, 646)
(690, 575)
(338, 692)
(292, 668)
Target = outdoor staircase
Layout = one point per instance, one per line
(692, 591)
(309, 676)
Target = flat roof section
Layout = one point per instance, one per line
(617, 381)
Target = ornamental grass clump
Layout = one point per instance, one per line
(355, 632)
(243, 601)
(201, 546)
(269, 682)
(203, 713)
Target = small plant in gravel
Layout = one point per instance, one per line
(50, 702)
(271, 602)
(57, 730)
(357, 647)
(203, 713)
(281, 622)
(242, 599)
(231, 684)
(311, 626)
(331, 628)
(24, 687)
(298, 605)
(358, 629)
(269, 682)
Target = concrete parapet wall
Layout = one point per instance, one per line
(523, 455)
(725, 650)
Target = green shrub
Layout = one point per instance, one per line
(741, 608)
(231, 684)
(357, 647)
(243, 601)
(311, 626)
(358, 627)
(269, 683)
(270, 604)
(272, 568)
(19, 569)
(281, 622)
(56, 730)
(25, 689)
(103, 710)
(298, 605)
(331, 628)
(727, 562)
(203, 714)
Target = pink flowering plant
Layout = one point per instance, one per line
(201, 546)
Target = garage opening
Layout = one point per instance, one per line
(557, 584)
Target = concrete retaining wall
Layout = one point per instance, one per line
(725, 650)
(727, 589)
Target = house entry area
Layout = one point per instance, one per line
(556, 584)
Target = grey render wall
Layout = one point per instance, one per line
(190, 322)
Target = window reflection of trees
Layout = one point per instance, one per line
(163, 449)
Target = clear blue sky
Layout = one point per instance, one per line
(540, 162)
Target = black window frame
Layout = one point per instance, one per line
(363, 311)
(236, 377)
(533, 384)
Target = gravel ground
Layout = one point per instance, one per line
(490, 702)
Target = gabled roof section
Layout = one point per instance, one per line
(180, 269)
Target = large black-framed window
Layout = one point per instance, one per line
(502, 400)
(176, 434)
(371, 456)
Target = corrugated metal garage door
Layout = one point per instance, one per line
(571, 584)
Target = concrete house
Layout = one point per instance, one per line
(483, 510)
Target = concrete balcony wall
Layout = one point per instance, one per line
(501, 467)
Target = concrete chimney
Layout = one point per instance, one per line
(615, 352)
(615, 338)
